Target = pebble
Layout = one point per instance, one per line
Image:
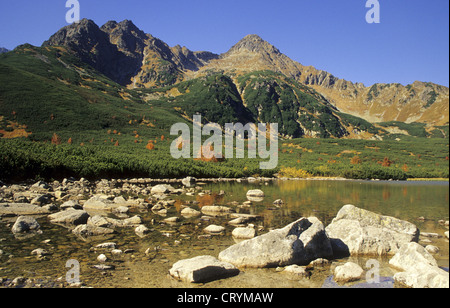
(116, 252)
(109, 245)
(104, 267)
(102, 258)
(214, 229)
(432, 249)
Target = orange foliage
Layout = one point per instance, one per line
(405, 168)
(386, 162)
(56, 139)
(150, 146)
(355, 160)
(208, 154)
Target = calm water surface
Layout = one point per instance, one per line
(168, 244)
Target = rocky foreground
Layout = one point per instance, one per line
(296, 249)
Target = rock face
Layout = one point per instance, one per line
(298, 243)
(355, 231)
(420, 268)
(202, 269)
(119, 50)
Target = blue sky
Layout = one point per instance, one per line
(411, 42)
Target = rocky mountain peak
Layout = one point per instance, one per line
(255, 44)
(127, 55)
(3, 50)
(83, 34)
(125, 27)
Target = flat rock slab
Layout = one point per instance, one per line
(356, 231)
(216, 210)
(97, 203)
(70, 217)
(202, 269)
(19, 209)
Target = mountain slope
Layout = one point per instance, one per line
(130, 57)
(266, 97)
(99, 72)
(419, 102)
(3, 50)
(126, 54)
(49, 90)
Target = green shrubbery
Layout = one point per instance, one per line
(22, 159)
(365, 159)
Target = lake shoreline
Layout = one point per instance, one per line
(163, 230)
(150, 181)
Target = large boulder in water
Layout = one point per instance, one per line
(420, 269)
(356, 231)
(298, 243)
(25, 224)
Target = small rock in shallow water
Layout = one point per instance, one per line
(40, 252)
(25, 224)
(102, 258)
(104, 267)
(255, 193)
(432, 249)
(116, 252)
(214, 229)
(348, 272)
(109, 245)
(244, 233)
(142, 230)
(202, 269)
(297, 271)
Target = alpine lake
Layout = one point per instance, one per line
(145, 262)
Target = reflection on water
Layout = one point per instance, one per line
(323, 199)
(148, 260)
